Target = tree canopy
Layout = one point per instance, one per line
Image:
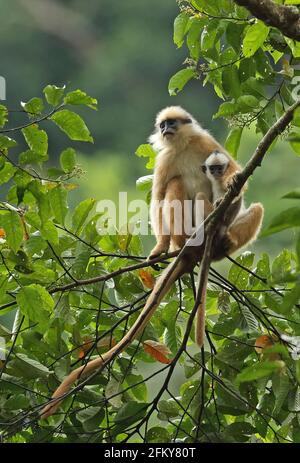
(72, 293)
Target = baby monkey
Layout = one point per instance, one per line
(220, 170)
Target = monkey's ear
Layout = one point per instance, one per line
(204, 168)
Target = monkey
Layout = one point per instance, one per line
(183, 146)
(220, 170)
(243, 225)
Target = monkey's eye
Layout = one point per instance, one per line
(167, 123)
(204, 168)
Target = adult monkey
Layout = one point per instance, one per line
(183, 147)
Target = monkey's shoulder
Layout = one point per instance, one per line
(203, 143)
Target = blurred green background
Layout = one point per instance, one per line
(121, 52)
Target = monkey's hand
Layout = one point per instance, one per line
(230, 182)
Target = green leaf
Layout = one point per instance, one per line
(209, 35)
(6, 142)
(294, 46)
(203, 5)
(33, 368)
(54, 94)
(6, 172)
(281, 388)
(233, 140)
(294, 194)
(233, 35)
(246, 103)
(259, 370)
(281, 266)
(131, 412)
(146, 151)
(241, 431)
(227, 109)
(157, 435)
(254, 38)
(3, 115)
(68, 159)
(294, 139)
(179, 80)
(78, 97)
(140, 390)
(238, 275)
(81, 213)
(72, 124)
(193, 37)
(298, 248)
(231, 81)
(168, 408)
(250, 320)
(180, 28)
(289, 218)
(291, 298)
(17, 402)
(36, 303)
(12, 225)
(90, 418)
(36, 139)
(58, 201)
(294, 400)
(34, 106)
(49, 232)
(144, 183)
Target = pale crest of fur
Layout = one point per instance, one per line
(217, 158)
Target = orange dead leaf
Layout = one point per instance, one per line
(85, 347)
(157, 350)
(262, 342)
(25, 232)
(147, 278)
(2, 233)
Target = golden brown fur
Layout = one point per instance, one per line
(177, 175)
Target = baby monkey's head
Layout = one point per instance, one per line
(215, 165)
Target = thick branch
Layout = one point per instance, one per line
(284, 17)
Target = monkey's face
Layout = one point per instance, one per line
(215, 165)
(171, 126)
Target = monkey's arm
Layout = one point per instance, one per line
(163, 219)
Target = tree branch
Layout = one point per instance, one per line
(286, 18)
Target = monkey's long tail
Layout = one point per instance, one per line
(200, 320)
(172, 272)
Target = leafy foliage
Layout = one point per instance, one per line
(72, 292)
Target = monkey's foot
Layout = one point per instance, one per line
(159, 249)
